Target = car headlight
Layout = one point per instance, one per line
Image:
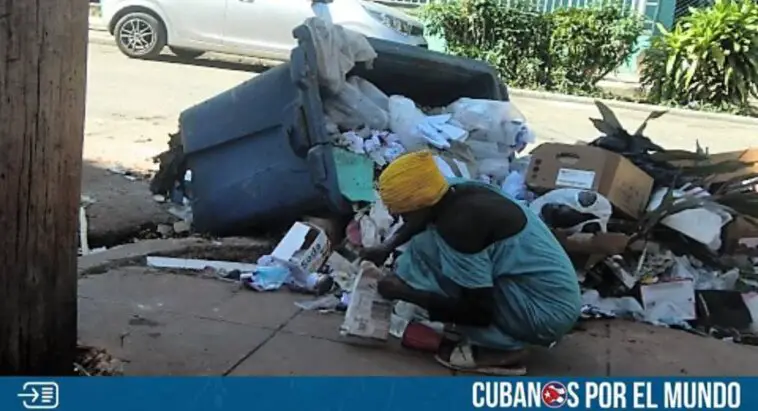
(392, 22)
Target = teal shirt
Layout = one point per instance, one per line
(537, 295)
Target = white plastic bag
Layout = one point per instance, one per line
(371, 91)
(376, 225)
(514, 185)
(497, 168)
(415, 129)
(492, 120)
(351, 109)
(600, 208)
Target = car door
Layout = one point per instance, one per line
(195, 23)
(263, 28)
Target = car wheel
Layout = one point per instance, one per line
(140, 35)
(186, 53)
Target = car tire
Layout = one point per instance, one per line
(186, 53)
(140, 35)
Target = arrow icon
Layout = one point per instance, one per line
(34, 394)
(39, 395)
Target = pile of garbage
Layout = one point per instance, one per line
(661, 236)
(96, 362)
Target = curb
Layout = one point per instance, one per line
(134, 253)
(646, 108)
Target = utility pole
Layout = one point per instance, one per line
(43, 50)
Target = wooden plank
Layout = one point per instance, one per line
(43, 47)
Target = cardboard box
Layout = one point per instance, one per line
(367, 320)
(305, 246)
(556, 165)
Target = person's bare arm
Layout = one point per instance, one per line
(413, 224)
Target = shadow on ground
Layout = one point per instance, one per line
(243, 64)
(123, 205)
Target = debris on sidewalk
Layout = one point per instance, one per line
(84, 245)
(650, 231)
(96, 362)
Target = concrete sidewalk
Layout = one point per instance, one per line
(161, 323)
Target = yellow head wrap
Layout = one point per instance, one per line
(412, 182)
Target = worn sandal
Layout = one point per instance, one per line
(462, 359)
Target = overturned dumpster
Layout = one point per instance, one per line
(264, 151)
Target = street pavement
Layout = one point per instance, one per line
(132, 105)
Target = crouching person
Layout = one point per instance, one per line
(479, 261)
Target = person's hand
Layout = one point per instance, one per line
(377, 255)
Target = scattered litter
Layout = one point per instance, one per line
(326, 303)
(700, 224)
(626, 307)
(129, 175)
(184, 213)
(643, 230)
(83, 231)
(266, 278)
(306, 247)
(182, 227)
(164, 230)
(671, 302)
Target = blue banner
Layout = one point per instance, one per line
(374, 394)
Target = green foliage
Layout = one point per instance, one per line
(568, 49)
(710, 58)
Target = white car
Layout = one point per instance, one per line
(256, 28)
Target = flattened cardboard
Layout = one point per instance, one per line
(555, 165)
(746, 156)
(367, 320)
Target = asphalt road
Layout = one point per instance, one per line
(132, 105)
